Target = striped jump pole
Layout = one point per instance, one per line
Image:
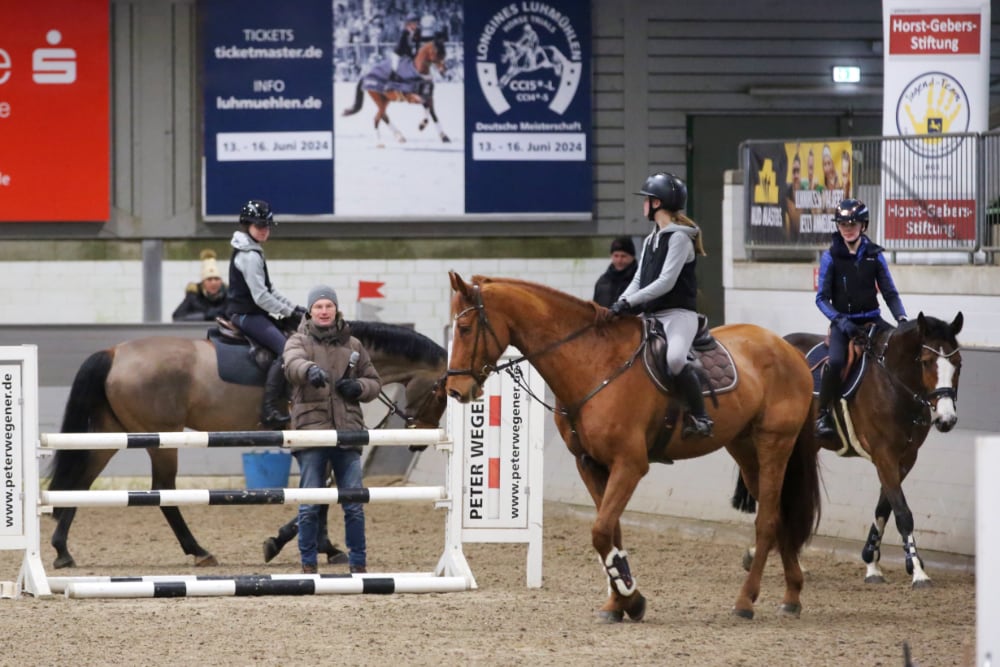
(178, 497)
(252, 585)
(60, 584)
(201, 439)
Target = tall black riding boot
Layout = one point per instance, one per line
(273, 409)
(689, 387)
(829, 387)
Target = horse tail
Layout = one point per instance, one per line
(800, 496)
(359, 99)
(742, 500)
(86, 397)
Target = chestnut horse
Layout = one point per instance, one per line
(165, 383)
(609, 413)
(911, 383)
(382, 88)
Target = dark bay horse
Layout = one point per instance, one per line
(383, 88)
(167, 383)
(910, 384)
(609, 413)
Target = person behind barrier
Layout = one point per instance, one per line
(331, 375)
(619, 273)
(254, 304)
(665, 286)
(851, 273)
(203, 300)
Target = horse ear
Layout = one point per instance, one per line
(922, 323)
(956, 324)
(457, 284)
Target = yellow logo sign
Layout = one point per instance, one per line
(766, 190)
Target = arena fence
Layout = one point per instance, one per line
(492, 491)
(987, 550)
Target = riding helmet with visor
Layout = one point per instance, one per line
(257, 212)
(852, 210)
(669, 189)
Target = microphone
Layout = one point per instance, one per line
(352, 362)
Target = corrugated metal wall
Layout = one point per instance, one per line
(656, 64)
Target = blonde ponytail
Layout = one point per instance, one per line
(699, 246)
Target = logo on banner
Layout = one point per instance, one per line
(529, 54)
(932, 104)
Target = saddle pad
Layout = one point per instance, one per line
(816, 358)
(235, 363)
(720, 371)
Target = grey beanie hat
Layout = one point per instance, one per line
(321, 292)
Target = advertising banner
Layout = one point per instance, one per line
(367, 111)
(936, 83)
(54, 119)
(795, 187)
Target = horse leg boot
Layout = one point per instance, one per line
(273, 410)
(828, 389)
(689, 386)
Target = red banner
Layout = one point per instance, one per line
(932, 219)
(54, 111)
(927, 34)
(368, 289)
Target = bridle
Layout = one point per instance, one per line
(410, 420)
(479, 377)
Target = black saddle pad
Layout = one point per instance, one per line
(235, 363)
(817, 357)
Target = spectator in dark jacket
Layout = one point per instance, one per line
(205, 300)
(613, 282)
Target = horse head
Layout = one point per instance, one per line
(431, 53)
(940, 360)
(476, 345)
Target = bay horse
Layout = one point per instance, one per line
(383, 89)
(609, 413)
(165, 383)
(910, 383)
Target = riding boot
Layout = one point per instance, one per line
(273, 410)
(689, 388)
(829, 387)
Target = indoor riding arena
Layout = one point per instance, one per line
(462, 205)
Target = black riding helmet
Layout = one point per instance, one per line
(852, 210)
(669, 189)
(257, 212)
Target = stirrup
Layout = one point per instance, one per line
(701, 426)
(276, 421)
(824, 425)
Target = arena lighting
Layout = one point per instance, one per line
(846, 74)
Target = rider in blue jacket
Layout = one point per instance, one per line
(851, 273)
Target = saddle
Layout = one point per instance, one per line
(854, 368)
(230, 334)
(240, 359)
(712, 360)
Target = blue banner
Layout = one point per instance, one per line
(268, 88)
(528, 107)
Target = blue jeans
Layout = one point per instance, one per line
(346, 465)
(263, 330)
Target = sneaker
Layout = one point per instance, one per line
(358, 569)
(308, 568)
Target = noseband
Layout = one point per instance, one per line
(479, 377)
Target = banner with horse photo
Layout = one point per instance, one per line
(794, 189)
(360, 110)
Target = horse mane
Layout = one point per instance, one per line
(399, 340)
(550, 292)
(935, 329)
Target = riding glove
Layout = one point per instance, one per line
(619, 308)
(846, 326)
(317, 376)
(349, 388)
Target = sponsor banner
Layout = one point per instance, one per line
(54, 111)
(364, 110)
(794, 189)
(12, 522)
(936, 83)
(268, 89)
(527, 107)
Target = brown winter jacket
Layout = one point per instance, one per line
(316, 408)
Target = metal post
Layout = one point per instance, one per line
(152, 280)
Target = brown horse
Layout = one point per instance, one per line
(911, 382)
(383, 88)
(610, 413)
(167, 384)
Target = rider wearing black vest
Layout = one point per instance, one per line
(665, 287)
(851, 273)
(253, 303)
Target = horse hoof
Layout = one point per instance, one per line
(789, 610)
(743, 613)
(205, 561)
(337, 557)
(875, 579)
(747, 560)
(638, 608)
(609, 617)
(446, 140)
(63, 562)
(923, 583)
(271, 549)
